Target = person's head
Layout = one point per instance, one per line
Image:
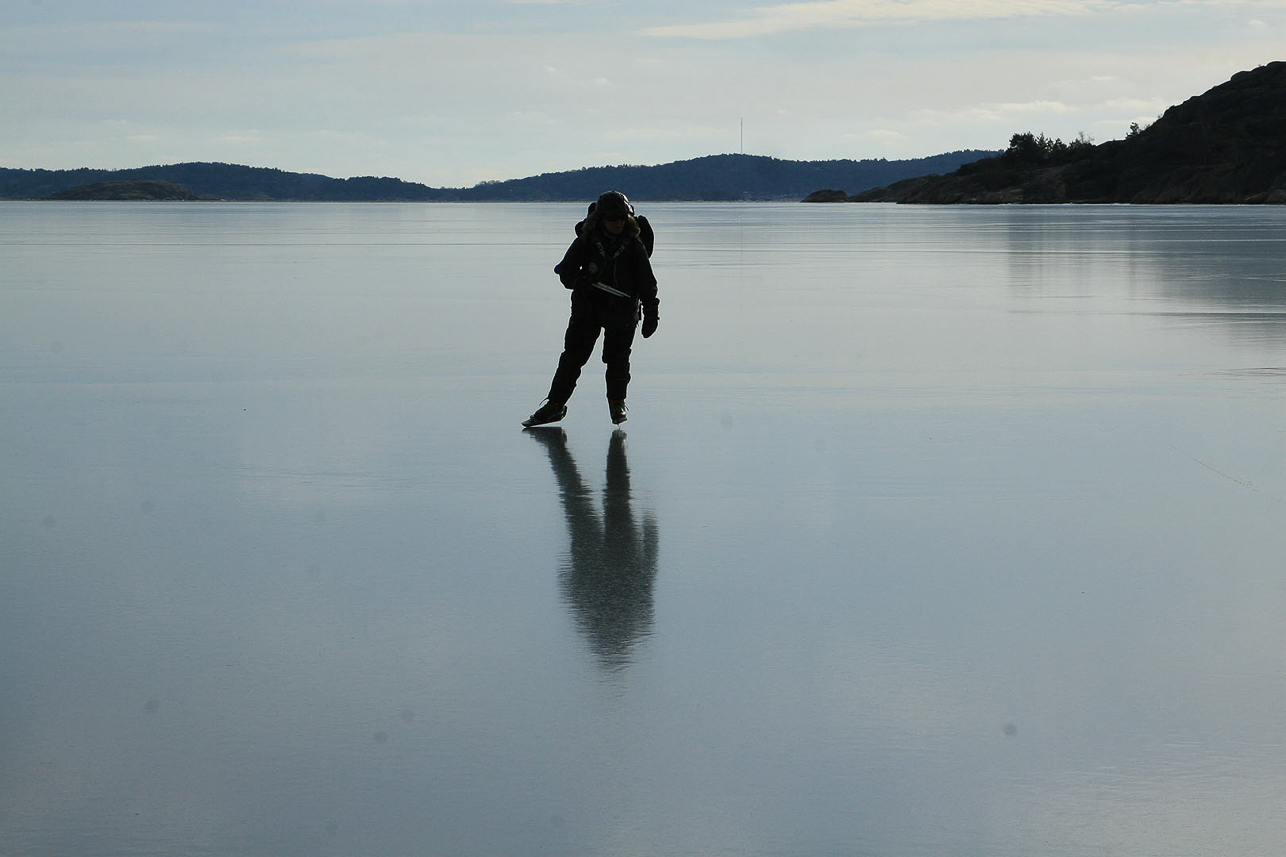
(614, 214)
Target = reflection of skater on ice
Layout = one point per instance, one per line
(607, 580)
(612, 284)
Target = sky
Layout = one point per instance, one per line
(454, 92)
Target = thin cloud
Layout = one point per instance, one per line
(769, 20)
(884, 135)
(1011, 108)
(1154, 105)
(55, 39)
(241, 137)
(1040, 110)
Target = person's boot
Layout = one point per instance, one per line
(616, 407)
(549, 412)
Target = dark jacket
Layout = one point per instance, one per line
(620, 262)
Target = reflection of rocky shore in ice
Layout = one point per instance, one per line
(971, 535)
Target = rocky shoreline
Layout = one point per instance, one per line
(1226, 146)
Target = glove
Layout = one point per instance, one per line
(650, 318)
(580, 282)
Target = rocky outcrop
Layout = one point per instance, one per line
(826, 195)
(1227, 145)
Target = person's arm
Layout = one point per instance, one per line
(646, 291)
(642, 279)
(569, 270)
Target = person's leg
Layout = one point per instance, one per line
(578, 345)
(617, 342)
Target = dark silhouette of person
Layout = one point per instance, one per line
(613, 286)
(611, 565)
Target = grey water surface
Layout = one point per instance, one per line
(933, 531)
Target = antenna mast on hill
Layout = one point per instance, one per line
(743, 135)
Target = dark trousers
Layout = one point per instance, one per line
(578, 347)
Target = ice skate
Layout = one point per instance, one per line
(549, 412)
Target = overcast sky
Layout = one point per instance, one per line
(454, 92)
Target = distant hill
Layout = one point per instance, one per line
(219, 181)
(717, 177)
(126, 190)
(1227, 145)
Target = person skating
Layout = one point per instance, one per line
(612, 283)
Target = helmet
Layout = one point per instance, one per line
(613, 203)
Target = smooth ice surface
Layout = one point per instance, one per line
(932, 531)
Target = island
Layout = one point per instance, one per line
(1226, 146)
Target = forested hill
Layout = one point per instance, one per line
(1225, 146)
(717, 177)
